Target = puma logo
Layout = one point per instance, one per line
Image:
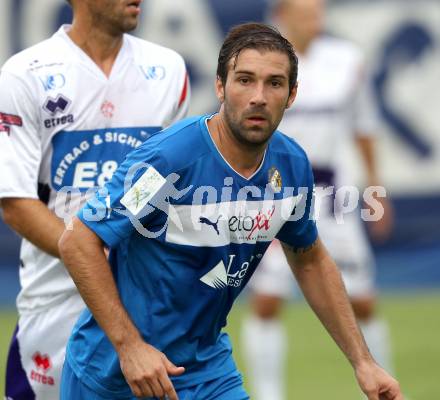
(206, 221)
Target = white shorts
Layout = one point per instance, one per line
(346, 243)
(36, 354)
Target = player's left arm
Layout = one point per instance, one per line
(321, 283)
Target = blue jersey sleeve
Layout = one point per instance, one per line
(130, 200)
(300, 230)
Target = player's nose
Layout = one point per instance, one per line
(258, 95)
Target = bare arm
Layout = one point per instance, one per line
(321, 283)
(380, 229)
(366, 145)
(145, 368)
(34, 221)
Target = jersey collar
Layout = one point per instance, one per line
(120, 60)
(219, 156)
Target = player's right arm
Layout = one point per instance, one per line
(105, 219)
(20, 156)
(321, 282)
(145, 368)
(31, 219)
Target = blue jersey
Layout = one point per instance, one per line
(187, 232)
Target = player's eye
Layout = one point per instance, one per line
(276, 83)
(244, 80)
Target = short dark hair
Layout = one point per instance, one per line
(254, 35)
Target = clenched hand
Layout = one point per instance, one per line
(147, 370)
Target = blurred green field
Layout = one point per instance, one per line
(8, 319)
(316, 369)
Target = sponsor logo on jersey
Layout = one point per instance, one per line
(53, 81)
(220, 224)
(6, 120)
(221, 276)
(42, 366)
(243, 224)
(153, 72)
(107, 109)
(57, 105)
(251, 225)
(88, 159)
(246, 225)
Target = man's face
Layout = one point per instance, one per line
(305, 18)
(255, 95)
(119, 16)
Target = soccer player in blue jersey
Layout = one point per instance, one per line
(188, 216)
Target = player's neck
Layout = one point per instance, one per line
(99, 45)
(243, 159)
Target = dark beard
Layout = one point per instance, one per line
(237, 132)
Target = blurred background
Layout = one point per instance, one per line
(401, 39)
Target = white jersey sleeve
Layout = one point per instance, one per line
(20, 142)
(179, 82)
(183, 103)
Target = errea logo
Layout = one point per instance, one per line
(57, 105)
(43, 364)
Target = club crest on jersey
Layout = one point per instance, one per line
(153, 72)
(6, 120)
(275, 180)
(57, 105)
(107, 109)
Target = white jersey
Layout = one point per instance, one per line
(333, 104)
(64, 123)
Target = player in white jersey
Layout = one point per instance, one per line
(332, 109)
(71, 108)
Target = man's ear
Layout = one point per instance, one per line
(219, 90)
(292, 96)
